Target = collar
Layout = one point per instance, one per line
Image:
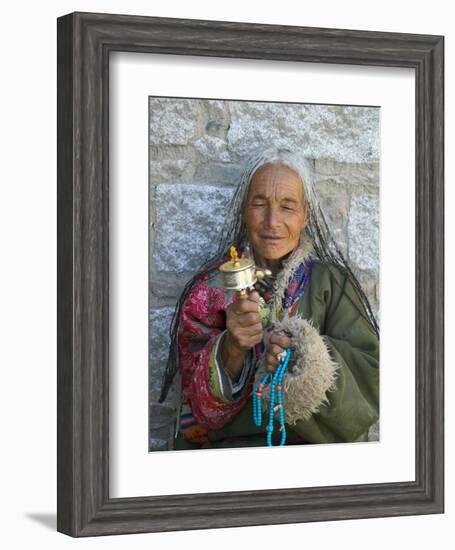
(289, 267)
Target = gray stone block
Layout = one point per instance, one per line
(215, 116)
(219, 174)
(167, 286)
(342, 133)
(335, 205)
(161, 422)
(367, 172)
(212, 148)
(171, 171)
(189, 219)
(369, 280)
(160, 320)
(173, 121)
(357, 180)
(157, 444)
(363, 232)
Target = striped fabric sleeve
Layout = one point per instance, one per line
(222, 385)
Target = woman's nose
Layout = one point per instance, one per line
(272, 217)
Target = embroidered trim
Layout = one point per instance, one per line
(216, 379)
(290, 266)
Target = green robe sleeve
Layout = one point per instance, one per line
(345, 374)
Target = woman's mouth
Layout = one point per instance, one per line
(271, 238)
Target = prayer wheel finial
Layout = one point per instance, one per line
(234, 255)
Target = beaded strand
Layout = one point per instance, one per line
(276, 389)
(257, 394)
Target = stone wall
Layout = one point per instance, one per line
(197, 151)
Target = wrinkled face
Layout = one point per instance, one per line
(274, 212)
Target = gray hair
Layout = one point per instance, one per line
(234, 230)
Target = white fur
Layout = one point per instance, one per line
(313, 375)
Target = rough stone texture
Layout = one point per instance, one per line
(188, 224)
(165, 287)
(346, 134)
(354, 172)
(160, 320)
(363, 232)
(219, 174)
(172, 122)
(212, 148)
(369, 281)
(171, 171)
(161, 424)
(335, 204)
(215, 118)
(197, 152)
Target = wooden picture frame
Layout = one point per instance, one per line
(84, 43)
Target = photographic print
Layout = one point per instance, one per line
(264, 273)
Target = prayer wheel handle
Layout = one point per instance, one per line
(242, 294)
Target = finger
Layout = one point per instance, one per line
(249, 341)
(248, 319)
(274, 350)
(250, 330)
(282, 343)
(246, 336)
(254, 331)
(272, 358)
(244, 306)
(256, 339)
(280, 340)
(235, 325)
(279, 335)
(271, 363)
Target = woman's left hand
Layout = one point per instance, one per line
(278, 342)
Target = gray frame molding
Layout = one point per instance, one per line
(84, 43)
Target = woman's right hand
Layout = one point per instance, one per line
(244, 331)
(243, 323)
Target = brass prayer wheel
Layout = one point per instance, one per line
(241, 274)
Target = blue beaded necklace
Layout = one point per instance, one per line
(276, 390)
(294, 290)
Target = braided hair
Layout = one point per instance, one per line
(234, 233)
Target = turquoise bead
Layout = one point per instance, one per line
(276, 395)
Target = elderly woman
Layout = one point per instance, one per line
(312, 305)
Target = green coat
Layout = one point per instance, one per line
(332, 317)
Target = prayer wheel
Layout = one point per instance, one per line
(241, 274)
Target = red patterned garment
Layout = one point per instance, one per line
(202, 321)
